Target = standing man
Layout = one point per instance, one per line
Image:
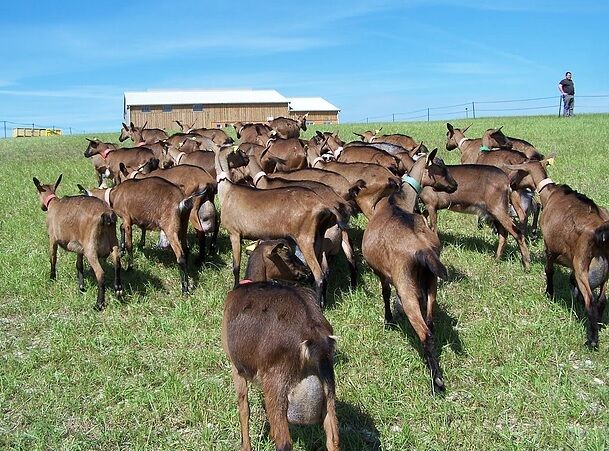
(567, 89)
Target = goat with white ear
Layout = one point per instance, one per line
(85, 226)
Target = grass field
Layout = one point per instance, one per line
(149, 373)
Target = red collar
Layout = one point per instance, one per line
(48, 200)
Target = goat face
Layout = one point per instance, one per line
(439, 177)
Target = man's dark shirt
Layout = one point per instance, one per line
(567, 86)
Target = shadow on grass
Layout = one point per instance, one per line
(356, 428)
(135, 282)
(564, 298)
(484, 246)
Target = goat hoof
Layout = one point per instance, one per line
(592, 345)
(438, 385)
(118, 291)
(98, 307)
(81, 288)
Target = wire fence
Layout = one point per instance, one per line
(486, 108)
(7, 127)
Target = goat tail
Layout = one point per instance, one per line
(430, 260)
(108, 218)
(355, 189)
(601, 234)
(187, 203)
(342, 218)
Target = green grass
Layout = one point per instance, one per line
(149, 373)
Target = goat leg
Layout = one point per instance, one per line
(276, 404)
(127, 235)
(244, 408)
(116, 259)
(347, 247)
(99, 276)
(235, 241)
(549, 269)
(386, 292)
(53, 259)
(201, 239)
(143, 238)
(122, 241)
(580, 271)
(79, 272)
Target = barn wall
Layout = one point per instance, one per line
(317, 117)
(212, 116)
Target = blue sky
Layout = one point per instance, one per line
(68, 63)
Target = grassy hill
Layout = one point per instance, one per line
(149, 373)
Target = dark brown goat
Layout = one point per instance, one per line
(277, 336)
(275, 260)
(403, 252)
(85, 226)
(153, 204)
(249, 132)
(481, 190)
(295, 212)
(289, 128)
(405, 141)
(576, 235)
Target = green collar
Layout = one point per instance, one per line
(412, 182)
(485, 149)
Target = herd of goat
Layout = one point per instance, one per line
(296, 197)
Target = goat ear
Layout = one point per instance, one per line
(431, 156)
(278, 247)
(82, 189)
(123, 169)
(58, 181)
(358, 134)
(132, 126)
(450, 127)
(466, 128)
(125, 126)
(499, 129)
(37, 184)
(144, 126)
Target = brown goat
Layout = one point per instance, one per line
(289, 154)
(98, 158)
(405, 141)
(494, 138)
(289, 128)
(576, 235)
(217, 135)
(203, 216)
(403, 252)
(481, 190)
(131, 157)
(275, 260)
(142, 135)
(153, 204)
(294, 212)
(277, 336)
(85, 226)
(473, 152)
(335, 238)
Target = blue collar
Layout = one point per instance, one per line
(412, 182)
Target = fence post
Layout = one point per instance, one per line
(366, 120)
(393, 117)
(473, 110)
(427, 114)
(466, 113)
(559, 105)
(70, 130)
(4, 129)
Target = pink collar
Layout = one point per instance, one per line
(258, 176)
(179, 157)
(48, 200)
(141, 143)
(105, 153)
(246, 282)
(461, 141)
(107, 197)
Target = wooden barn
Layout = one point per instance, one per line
(210, 109)
(320, 110)
(220, 108)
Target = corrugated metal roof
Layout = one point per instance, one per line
(202, 97)
(311, 104)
